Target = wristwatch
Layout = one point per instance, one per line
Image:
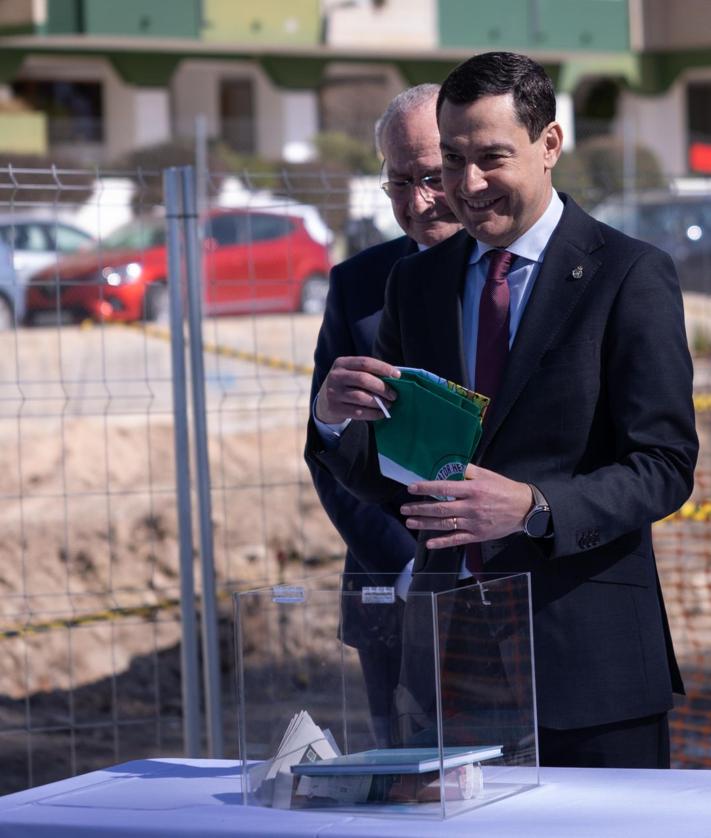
(537, 522)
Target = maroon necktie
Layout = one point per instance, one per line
(492, 348)
(492, 343)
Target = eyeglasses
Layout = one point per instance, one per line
(429, 185)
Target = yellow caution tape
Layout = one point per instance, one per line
(229, 351)
(147, 612)
(690, 511)
(144, 611)
(702, 402)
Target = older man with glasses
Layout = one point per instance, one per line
(378, 544)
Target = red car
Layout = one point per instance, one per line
(253, 262)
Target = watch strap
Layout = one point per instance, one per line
(540, 507)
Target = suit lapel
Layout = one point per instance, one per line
(442, 303)
(568, 267)
(409, 246)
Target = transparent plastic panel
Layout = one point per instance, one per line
(350, 697)
(486, 680)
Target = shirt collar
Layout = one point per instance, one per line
(532, 244)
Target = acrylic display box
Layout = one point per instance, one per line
(350, 697)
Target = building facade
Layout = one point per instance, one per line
(94, 79)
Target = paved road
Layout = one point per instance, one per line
(125, 372)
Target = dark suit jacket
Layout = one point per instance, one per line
(378, 543)
(595, 409)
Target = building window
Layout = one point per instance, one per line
(75, 110)
(698, 101)
(237, 114)
(596, 103)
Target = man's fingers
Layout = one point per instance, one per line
(351, 409)
(449, 487)
(456, 529)
(453, 523)
(441, 488)
(343, 381)
(433, 509)
(357, 404)
(362, 363)
(354, 389)
(453, 540)
(357, 397)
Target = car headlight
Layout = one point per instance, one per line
(121, 274)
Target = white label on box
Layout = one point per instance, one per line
(384, 595)
(288, 593)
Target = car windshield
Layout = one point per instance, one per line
(139, 234)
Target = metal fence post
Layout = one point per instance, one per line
(190, 678)
(210, 639)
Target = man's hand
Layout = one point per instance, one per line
(486, 505)
(350, 388)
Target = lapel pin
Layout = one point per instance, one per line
(578, 272)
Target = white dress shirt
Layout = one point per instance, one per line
(529, 250)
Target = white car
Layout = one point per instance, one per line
(34, 242)
(12, 292)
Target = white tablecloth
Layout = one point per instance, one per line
(169, 798)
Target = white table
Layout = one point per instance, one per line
(179, 797)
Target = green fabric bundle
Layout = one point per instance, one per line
(434, 429)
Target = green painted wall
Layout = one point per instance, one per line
(262, 21)
(173, 19)
(153, 18)
(600, 25)
(63, 17)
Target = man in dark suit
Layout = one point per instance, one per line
(378, 544)
(590, 434)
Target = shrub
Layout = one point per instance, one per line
(349, 153)
(145, 166)
(596, 168)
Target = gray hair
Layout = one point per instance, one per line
(402, 104)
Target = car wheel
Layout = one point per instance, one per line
(7, 316)
(313, 294)
(157, 303)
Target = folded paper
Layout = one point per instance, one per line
(433, 429)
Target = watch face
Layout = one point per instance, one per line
(537, 523)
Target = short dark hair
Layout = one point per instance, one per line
(499, 73)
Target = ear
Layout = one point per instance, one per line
(552, 138)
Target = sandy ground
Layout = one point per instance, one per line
(87, 478)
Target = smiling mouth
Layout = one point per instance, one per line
(481, 205)
(431, 219)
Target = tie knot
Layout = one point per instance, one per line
(499, 264)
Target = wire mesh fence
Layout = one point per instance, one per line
(90, 624)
